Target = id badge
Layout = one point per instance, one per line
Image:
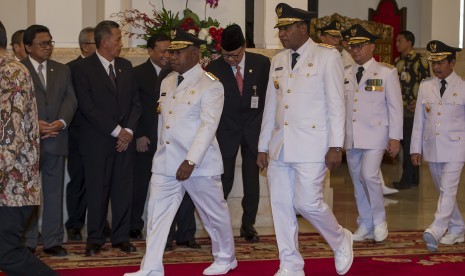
(254, 102)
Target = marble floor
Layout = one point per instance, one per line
(411, 209)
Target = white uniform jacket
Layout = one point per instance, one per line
(439, 125)
(304, 108)
(374, 106)
(189, 117)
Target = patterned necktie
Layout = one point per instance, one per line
(443, 87)
(112, 75)
(294, 59)
(239, 79)
(180, 79)
(41, 75)
(359, 73)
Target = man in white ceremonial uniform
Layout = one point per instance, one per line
(439, 137)
(188, 158)
(374, 119)
(302, 133)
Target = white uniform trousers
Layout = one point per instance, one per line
(446, 177)
(166, 194)
(299, 186)
(364, 168)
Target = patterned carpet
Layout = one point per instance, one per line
(400, 247)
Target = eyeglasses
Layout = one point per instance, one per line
(235, 56)
(44, 44)
(357, 47)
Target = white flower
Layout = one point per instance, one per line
(209, 39)
(203, 33)
(191, 31)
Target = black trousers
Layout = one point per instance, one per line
(15, 258)
(76, 203)
(183, 226)
(250, 181)
(410, 173)
(109, 177)
(142, 175)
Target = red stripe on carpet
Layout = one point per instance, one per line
(444, 264)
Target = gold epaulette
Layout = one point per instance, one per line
(426, 79)
(326, 45)
(387, 65)
(211, 76)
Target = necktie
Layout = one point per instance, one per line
(180, 79)
(443, 87)
(359, 73)
(112, 75)
(239, 79)
(294, 59)
(41, 75)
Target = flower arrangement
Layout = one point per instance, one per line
(162, 21)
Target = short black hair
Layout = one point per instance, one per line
(156, 38)
(103, 29)
(17, 37)
(3, 38)
(31, 31)
(408, 35)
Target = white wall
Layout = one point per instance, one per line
(13, 15)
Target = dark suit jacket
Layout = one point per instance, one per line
(103, 107)
(75, 123)
(238, 119)
(56, 102)
(149, 92)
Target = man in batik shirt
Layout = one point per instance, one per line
(412, 69)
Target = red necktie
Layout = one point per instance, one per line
(239, 80)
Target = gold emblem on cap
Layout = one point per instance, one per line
(173, 34)
(433, 47)
(338, 25)
(279, 11)
(353, 32)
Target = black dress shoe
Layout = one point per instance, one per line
(93, 249)
(56, 250)
(32, 250)
(191, 244)
(401, 185)
(249, 233)
(135, 234)
(74, 234)
(125, 247)
(169, 246)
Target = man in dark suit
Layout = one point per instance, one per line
(76, 203)
(146, 76)
(56, 104)
(110, 108)
(244, 77)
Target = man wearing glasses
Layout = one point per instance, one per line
(244, 76)
(374, 119)
(56, 104)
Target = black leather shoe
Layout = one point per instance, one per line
(191, 244)
(74, 234)
(56, 250)
(93, 249)
(32, 250)
(135, 234)
(125, 247)
(401, 185)
(249, 233)
(169, 246)
(107, 230)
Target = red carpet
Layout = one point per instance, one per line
(450, 265)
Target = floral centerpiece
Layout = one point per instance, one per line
(162, 21)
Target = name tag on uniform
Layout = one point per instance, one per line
(254, 102)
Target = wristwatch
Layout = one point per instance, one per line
(190, 163)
